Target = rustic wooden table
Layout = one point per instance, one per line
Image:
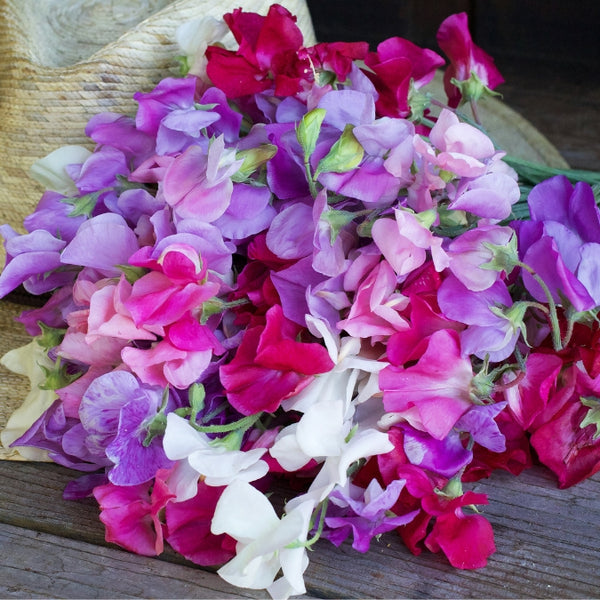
(548, 540)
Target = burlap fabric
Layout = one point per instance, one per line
(62, 61)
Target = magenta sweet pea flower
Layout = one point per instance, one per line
(396, 62)
(188, 528)
(266, 54)
(132, 514)
(270, 365)
(466, 58)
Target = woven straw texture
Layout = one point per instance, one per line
(62, 61)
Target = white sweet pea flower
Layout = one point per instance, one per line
(195, 36)
(28, 360)
(326, 431)
(198, 455)
(50, 170)
(266, 543)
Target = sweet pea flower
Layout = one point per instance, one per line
(561, 242)
(393, 66)
(404, 242)
(32, 260)
(50, 171)
(212, 460)
(488, 333)
(435, 392)
(197, 184)
(266, 543)
(468, 62)
(132, 514)
(364, 512)
(266, 54)
(470, 251)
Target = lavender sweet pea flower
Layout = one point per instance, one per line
(32, 260)
(102, 242)
(120, 132)
(248, 213)
(364, 512)
(479, 422)
(487, 333)
(52, 215)
(169, 94)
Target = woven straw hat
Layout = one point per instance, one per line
(62, 61)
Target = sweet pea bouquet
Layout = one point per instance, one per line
(295, 269)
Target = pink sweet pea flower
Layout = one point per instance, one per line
(375, 311)
(132, 514)
(434, 393)
(197, 184)
(466, 59)
(270, 365)
(404, 242)
(176, 286)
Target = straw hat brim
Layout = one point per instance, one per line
(44, 105)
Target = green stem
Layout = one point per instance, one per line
(241, 424)
(552, 312)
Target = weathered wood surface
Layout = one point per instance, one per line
(547, 547)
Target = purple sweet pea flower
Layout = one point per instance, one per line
(479, 422)
(169, 94)
(119, 131)
(135, 461)
(115, 412)
(248, 213)
(51, 432)
(364, 512)
(32, 260)
(100, 170)
(446, 456)
(561, 242)
(487, 333)
(290, 235)
(52, 215)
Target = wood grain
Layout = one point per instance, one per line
(547, 543)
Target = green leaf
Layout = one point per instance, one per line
(345, 155)
(308, 130)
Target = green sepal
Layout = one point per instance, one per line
(337, 219)
(592, 416)
(473, 89)
(345, 155)
(83, 205)
(132, 274)
(156, 427)
(504, 258)
(50, 337)
(57, 376)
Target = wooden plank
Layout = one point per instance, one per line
(547, 541)
(41, 565)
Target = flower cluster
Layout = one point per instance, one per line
(294, 267)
